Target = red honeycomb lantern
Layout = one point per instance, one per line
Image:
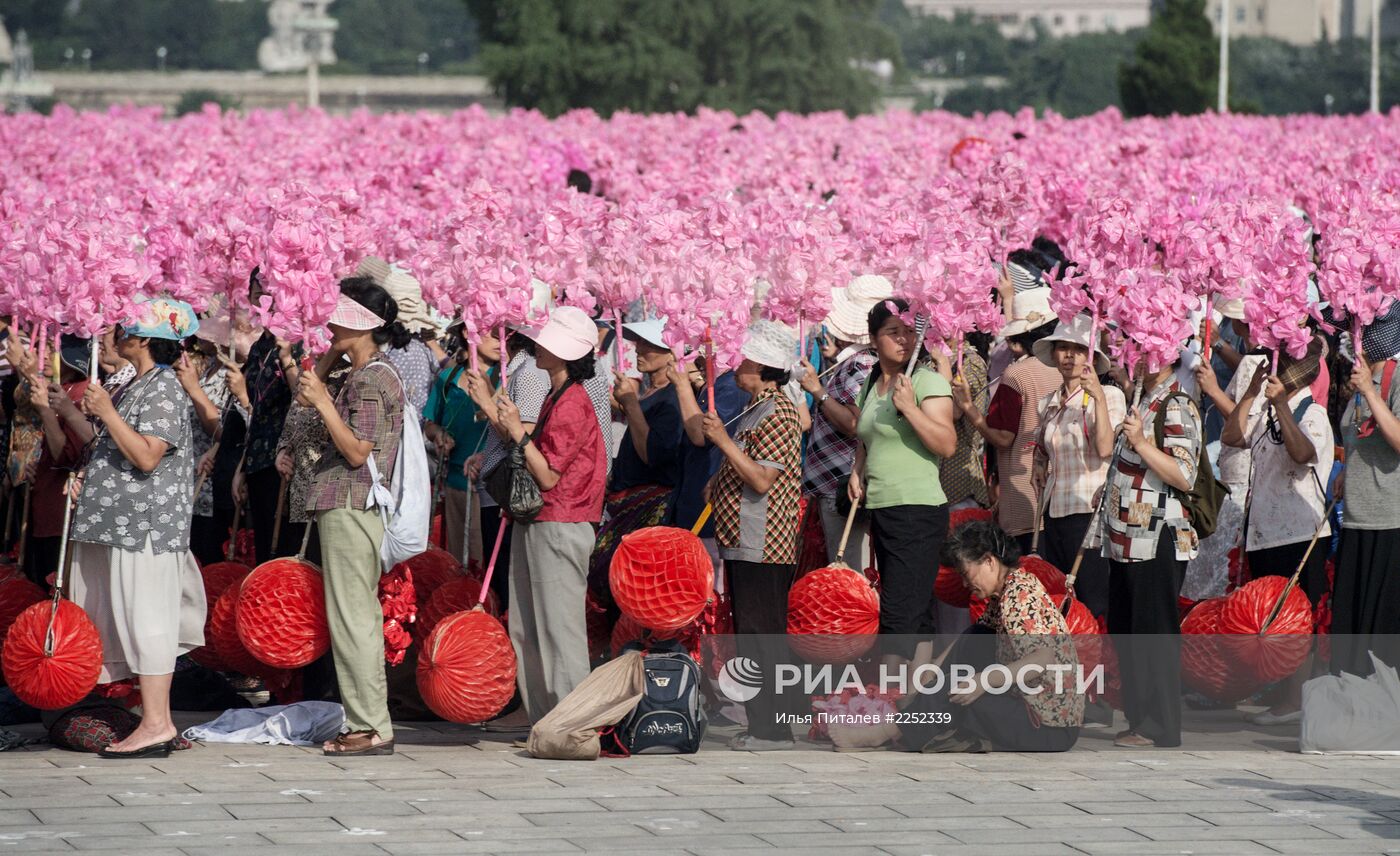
(466, 670)
(948, 585)
(282, 613)
(628, 630)
(453, 596)
(1051, 579)
(1089, 644)
(1278, 652)
(1209, 660)
(57, 680)
(431, 568)
(218, 577)
(662, 577)
(222, 637)
(833, 615)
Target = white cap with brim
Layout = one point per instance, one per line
(770, 344)
(1232, 308)
(569, 334)
(850, 307)
(652, 331)
(1029, 311)
(1076, 332)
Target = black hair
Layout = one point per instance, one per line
(768, 374)
(581, 369)
(1049, 249)
(166, 352)
(517, 341)
(881, 312)
(580, 181)
(981, 342)
(1031, 259)
(974, 541)
(1028, 339)
(373, 297)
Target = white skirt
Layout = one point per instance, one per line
(148, 608)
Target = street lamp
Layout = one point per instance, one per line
(161, 54)
(315, 33)
(87, 59)
(68, 54)
(422, 62)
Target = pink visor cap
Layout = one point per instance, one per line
(569, 334)
(350, 315)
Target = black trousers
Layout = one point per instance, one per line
(1059, 544)
(42, 559)
(208, 534)
(1003, 719)
(759, 596)
(261, 510)
(490, 528)
(907, 542)
(1283, 560)
(1366, 602)
(1143, 618)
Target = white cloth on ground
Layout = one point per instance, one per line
(305, 723)
(149, 608)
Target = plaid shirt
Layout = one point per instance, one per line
(963, 475)
(1138, 501)
(754, 527)
(371, 403)
(1067, 440)
(829, 452)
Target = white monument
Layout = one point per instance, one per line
(292, 45)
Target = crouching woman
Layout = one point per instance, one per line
(1022, 634)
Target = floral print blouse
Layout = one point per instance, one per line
(1026, 619)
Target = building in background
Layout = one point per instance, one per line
(1303, 22)
(1018, 18)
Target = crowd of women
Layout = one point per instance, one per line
(200, 423)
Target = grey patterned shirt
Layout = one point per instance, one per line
(120, 505)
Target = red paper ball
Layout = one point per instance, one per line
(1279, 651)
(833, 615)
(453, 596)
(218, 577)
(628, 630)
(1209, 660)
(222, 637)
(662, 577)
(1089, 645)
(1051, 579)
(431, 568)
(282, 613)
(466, 670)
(66, 677)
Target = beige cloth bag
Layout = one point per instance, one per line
(569, 732)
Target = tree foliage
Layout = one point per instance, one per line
(656, 55)
(1174, 67)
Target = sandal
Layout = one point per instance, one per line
(1133, 740)
(357, 743)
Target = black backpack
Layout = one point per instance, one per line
(670, 719)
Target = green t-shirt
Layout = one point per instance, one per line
(898, 469)
(454, 411)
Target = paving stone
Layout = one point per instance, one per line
(171, 843)
(939, 849)
(1014, 837)
(1188, 845)
(16, 816)
(827, 813)
(137, 814)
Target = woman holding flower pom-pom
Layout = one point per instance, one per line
(133, 572)
(364, 420)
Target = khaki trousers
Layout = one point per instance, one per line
(548, 580)
(350, 540)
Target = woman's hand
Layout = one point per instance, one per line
(1206, 380)
(1132, 429)
(1090, 383)
(60, 402)
(902, 395)
(234, 379)
(20, 356)
(186, 373)
(39, 396)
(1256, 383)
(312, 392)
(97, 403)
(509, 416)
(713, 428)
(1275, 393)
(941, 363)
(471, 467)
(811, 382)
(478, 387)
(855, 488)
(240, 488)
(967, 697)
(626, 389)
(962, 395)
(205, 467)
(75, 485)
(1362, 378)
(284, 463)
(444, 442)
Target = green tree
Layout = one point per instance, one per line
(961, 46)
(1174, 67)
(654, 55)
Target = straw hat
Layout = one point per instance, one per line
(850, 307)
(1076, 332)
(1029, 310)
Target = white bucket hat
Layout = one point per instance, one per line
(850, 307)
(1076, 332)
(1232, 308)
(569, 334)
(1029, 310)
(770, 344)
(652, 331)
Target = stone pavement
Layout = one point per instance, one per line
(454, 790)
